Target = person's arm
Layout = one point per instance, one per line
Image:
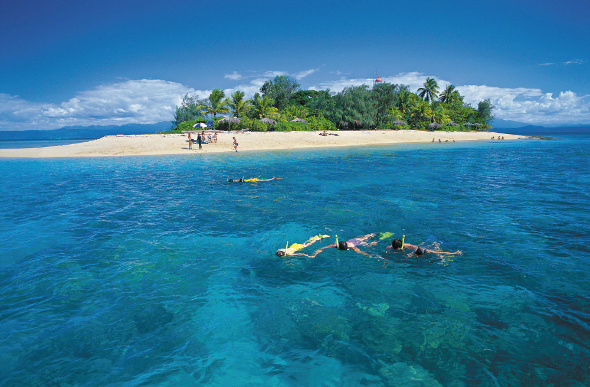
(458, 252)
(359, 251)
(322, 249)
(356, 249)
(409, 247)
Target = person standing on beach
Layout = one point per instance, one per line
(190, 141)
(235, 144)
(199, 140)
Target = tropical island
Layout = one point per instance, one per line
(282, 106)
(282, 116)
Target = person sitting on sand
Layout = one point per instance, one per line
(292, 250)
(250, 180)
(215, 137)
(351, 244)
(398, 244)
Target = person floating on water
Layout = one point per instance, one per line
(295, 247)
(351, 244)
(251, 180)
(398, 244)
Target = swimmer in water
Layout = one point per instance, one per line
(351, 244)
(251, 180)
(295, 247)
(398, 244)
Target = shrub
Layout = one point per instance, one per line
(188, 125)
(320, 123)
(284, 126)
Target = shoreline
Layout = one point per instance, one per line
(177, 144)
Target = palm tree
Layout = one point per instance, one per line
(264, 106)
(450, 95)
(217, 103)
(238, 105)
(430, 90)
(439, 114)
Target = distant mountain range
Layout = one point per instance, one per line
(83, 132)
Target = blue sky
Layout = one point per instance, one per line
(69, 62)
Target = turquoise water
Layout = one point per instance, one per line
(155, 271)
(40, 143)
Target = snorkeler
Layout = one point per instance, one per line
(398, 244)
(297, 246)
(351, 244)
(251, 180)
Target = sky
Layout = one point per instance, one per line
(71, 62)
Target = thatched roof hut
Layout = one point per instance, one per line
(269, 121)
(434, 125)
(230, 120)
(452, 124)
(399, 123)
(299, 120)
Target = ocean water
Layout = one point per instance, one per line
(38, 143)
(156, 271)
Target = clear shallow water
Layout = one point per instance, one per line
(154, 270)
(38, 143)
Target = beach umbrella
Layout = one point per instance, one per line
(299, 120)
(434, 125)
(399, 123)
(200, 125)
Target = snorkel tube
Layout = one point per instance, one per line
(403, 237)
(337, 241)
(286, 247)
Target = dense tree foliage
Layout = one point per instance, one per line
(384, 106)
(189, 109)
(280, 90)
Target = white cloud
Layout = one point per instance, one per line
(235, 76)
(272, 74)
(135, 101)
(305, 73)
(569, 62)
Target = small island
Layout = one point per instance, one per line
(283, 117)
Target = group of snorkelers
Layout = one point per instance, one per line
(355, 243)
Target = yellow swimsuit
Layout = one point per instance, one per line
(298, 246)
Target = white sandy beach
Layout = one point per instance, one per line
(170, 144)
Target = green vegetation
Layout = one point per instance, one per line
(282, 106)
